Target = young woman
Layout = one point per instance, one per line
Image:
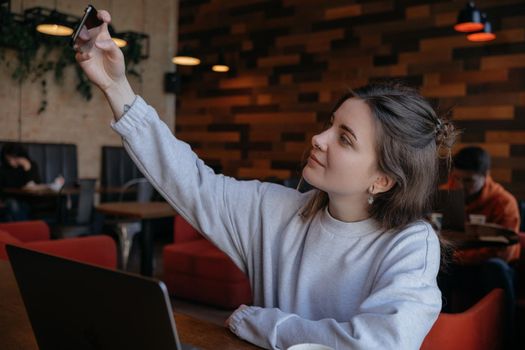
(352, 264)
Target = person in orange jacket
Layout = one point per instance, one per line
(483, 195)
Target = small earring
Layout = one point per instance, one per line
(371, 196)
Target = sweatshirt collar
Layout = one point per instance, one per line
(348, 229)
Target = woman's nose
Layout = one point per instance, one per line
(318, 142)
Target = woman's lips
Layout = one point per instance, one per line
(315, 160)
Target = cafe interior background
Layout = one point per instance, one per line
(288, 62)
(282, 65)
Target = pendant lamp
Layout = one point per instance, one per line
(55, 24)
(469, 19)
(220, 66)
(484, 34)
(185, 57)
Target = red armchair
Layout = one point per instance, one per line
(195, 269)
(478, 328)
(96, 250)
(520, 292)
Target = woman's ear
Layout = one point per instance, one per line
(382, 184)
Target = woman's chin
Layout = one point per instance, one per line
(307, 176)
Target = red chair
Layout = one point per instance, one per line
(195, 269)
(520, 290)
(478, 328)
(96, 250)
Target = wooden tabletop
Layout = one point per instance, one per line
(15, 329)
(206, 335)
(39, 192)
(44, 191)
(481, 242)
(136, 210)
(16, 332)
(476, 235)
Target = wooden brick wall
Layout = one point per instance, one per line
(292, 58)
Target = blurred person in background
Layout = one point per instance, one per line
(16, 171)
(483, 195)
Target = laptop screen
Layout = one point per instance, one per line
(72, 305)
(451, 203)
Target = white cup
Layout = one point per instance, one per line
(309, 346)
(478, 219)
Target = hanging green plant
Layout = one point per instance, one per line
(38, 54)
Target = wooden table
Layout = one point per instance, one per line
(44, 192)
(146, 212)
(70, 190)
(16, 332)
(37, 192)
(481, 242)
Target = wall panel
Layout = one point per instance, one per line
(291, 59)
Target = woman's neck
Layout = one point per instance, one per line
(348, 209)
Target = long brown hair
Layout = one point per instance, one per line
(410, 138)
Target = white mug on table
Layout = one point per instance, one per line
(309, 346)
(477, 219)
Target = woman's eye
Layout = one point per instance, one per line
(345, 140)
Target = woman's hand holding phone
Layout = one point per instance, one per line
(103, 63)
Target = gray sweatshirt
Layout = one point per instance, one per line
(317, 279)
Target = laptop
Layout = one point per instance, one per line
(72, 305)
(451, 203)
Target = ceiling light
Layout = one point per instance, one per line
(469, 19)
(220, 66)
(185, 57)
(55, 24)
(186, 60)
(485, 34)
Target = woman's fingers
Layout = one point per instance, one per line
(82, 56)
(105, 45)
(109, 47)
(104, 30)
(104, 15)
(83, 36)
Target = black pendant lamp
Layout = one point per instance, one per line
(220, 66)
(185, 57)
(55, 24)
(469, 19)
(484, 34)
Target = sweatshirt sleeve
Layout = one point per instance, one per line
(399, 312)
(221, 208)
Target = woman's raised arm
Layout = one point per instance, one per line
(103, 63)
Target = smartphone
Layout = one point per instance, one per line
(89, 20)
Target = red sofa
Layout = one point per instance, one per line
(195, 269)
(96, 250)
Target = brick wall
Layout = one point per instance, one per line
(292, 58)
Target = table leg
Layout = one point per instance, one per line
(146, 238)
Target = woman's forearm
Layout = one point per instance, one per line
(120, 98)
